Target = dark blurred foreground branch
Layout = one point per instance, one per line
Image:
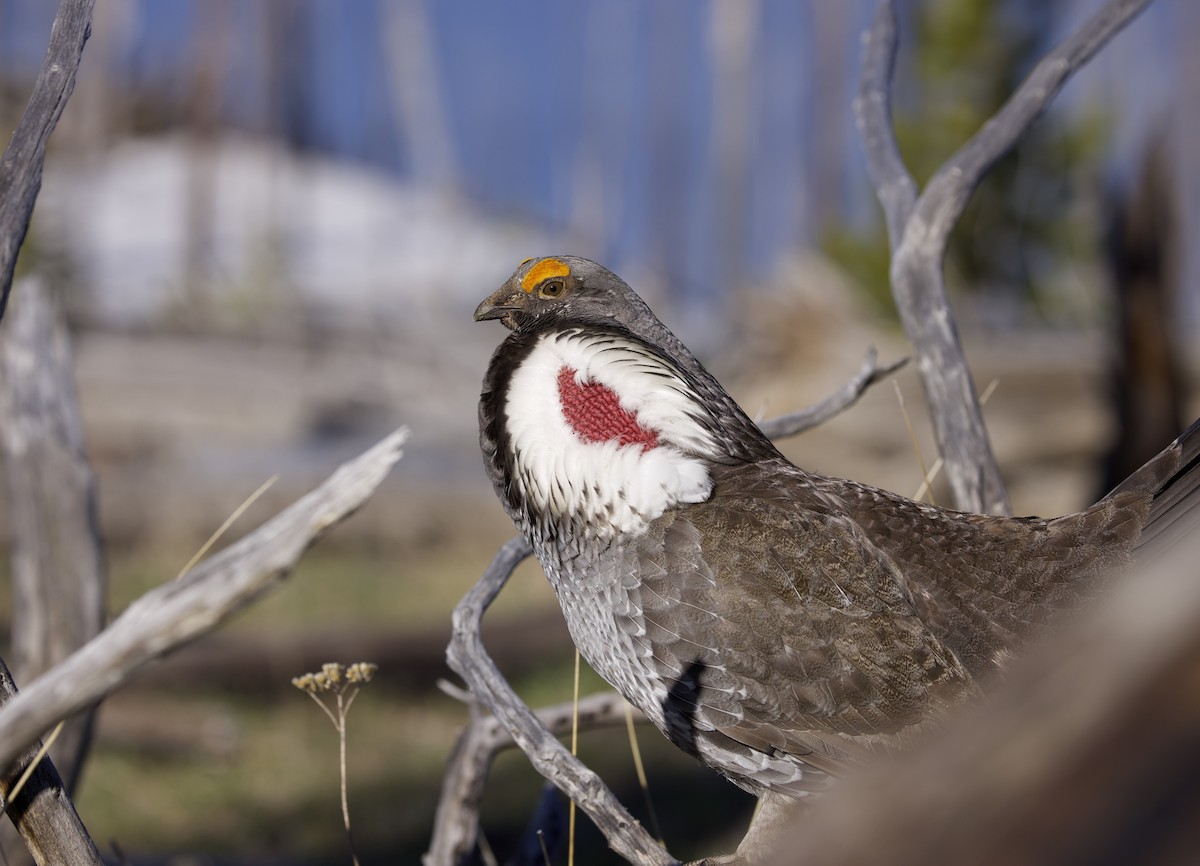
(183, 610)
(21, 164)
(42, 811)
(1088, 753)
(919, 229)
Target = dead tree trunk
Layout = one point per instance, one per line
(42, 811)
(58, 578)
(57, 565)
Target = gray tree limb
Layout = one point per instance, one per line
(21, 164)
(467, 656)
(456, 825)
(185, 609)
(919, 229)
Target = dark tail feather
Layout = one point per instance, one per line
(1173, 480)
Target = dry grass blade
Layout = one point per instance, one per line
(224, 527)
(932, 474)
(916, 446)
(574, 753)
(37, 759)
(643, 781)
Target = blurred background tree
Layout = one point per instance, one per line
(1034, 216)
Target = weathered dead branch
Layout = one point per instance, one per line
(21, 165)
(919, 228)
(467, 656)
(456, 826)
(183, 610)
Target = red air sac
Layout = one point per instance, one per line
(595, 413)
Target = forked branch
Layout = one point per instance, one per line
(456, 826)
(468, 658)
(836, 403)
(919, 229)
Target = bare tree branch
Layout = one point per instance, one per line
(183, 610)
(836, 403)
(894, 186)
(21, 165)
(43, 812)
(945, 197)
(467, 656)
(456, 826)
(920, 230)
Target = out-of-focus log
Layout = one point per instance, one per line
(1089, 752)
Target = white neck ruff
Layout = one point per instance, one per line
(614, 488)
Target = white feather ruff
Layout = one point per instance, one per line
(616, 488)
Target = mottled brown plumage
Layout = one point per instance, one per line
(773, 622)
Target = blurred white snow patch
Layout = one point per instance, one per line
(350, 244)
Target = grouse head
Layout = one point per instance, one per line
(592, 410)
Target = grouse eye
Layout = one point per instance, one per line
(551, 289)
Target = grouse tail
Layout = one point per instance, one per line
(1172, 478)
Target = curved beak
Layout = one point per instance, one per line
(501, 304)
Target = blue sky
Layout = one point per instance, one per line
(535, 94)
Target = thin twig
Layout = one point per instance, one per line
(15, 791)
(574, 754)
(643, 780)
(839, 401)
(344, 682)
(912, 438)
(343, 707)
